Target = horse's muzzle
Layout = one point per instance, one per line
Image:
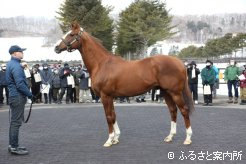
(57, 50)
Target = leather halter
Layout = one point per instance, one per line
(76, 38)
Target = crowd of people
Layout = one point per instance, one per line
(233, 77)
(49, 83)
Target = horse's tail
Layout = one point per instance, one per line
(187, 97)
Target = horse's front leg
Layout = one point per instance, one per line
(114, 131)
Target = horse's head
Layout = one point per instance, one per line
(71, 40)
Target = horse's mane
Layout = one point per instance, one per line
(97, 42)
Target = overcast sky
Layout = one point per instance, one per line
(47, 8)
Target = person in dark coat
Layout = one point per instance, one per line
(55, 85)
(65, 72)
(18, 93)
(193, 73)
(85, 95)
(77, 75)
(35, 84)
(46, 76)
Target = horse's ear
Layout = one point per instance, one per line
(75, 25)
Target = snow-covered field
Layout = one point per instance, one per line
(34, 51)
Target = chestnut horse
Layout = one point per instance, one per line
(112, 76)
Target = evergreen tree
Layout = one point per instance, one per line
(188, 52)
(142, 24)
(91, 15)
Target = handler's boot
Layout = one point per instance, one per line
(235, 100)
(230, 100)
(18, 151)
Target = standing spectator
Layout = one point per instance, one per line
(154, 94)
(208, 78)
(216, 83)
(242, 78)
(55, 85)
(77, 75)
(46, 76)
(73, 90)
(193, 73)
(36, 82)
(18, 91)
(64, 74)
(27, 74)
(231, 77)
(84, 86)
(28, 77)
(3, 85)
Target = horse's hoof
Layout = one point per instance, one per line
(187, 142)
(107, 144)
(168, 140)
(115, 142)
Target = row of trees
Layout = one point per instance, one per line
(142, 24)
(225, 45)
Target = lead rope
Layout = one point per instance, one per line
(29, 113)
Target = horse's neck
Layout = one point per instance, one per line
(93, 54)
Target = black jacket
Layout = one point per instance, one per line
(193, 80)
(63, 74)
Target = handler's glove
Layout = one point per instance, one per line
(33, 98)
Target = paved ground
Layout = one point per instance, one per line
(75, 133)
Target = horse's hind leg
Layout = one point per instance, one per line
(173, 112)
(114, 131)
(179, 100)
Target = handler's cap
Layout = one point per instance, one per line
(16, 48)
